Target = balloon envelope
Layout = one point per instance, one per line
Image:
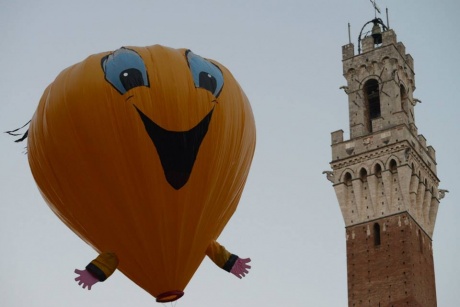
(144, 151)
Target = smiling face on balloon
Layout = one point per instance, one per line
(125, 69)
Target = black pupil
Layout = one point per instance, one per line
(131, 78)
(208, 82)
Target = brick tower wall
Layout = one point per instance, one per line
(396, 270)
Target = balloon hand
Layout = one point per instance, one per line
(241, 267)
(85, 279)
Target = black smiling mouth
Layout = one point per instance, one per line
(177, 149)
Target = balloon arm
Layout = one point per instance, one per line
(227, 261)
(97, 270)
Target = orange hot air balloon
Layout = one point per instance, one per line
(144, 152)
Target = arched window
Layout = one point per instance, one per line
(393, 166)
(347, 178)
(363, 174)
(378, 170)
(376, 234)
(372, 102)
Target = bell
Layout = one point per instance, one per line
(377, 34)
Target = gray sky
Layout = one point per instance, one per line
(287, 57)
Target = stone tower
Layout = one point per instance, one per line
(385, 178)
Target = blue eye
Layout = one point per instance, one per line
(205, 74)
(125, 69)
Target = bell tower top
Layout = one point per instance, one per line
(380, 82)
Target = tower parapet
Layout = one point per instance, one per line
(385, 173)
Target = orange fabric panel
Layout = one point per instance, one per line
(100, 171)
